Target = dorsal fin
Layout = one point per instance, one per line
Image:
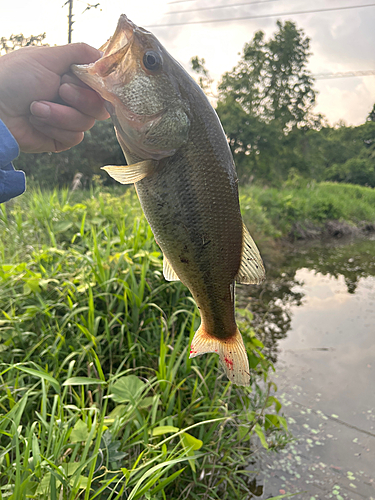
(251, 271)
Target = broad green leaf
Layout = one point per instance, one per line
(272, 400)
(257, 342)
(82, 482)
(31, 285)
(271, 419)
(71, 467)
(146, 402)
(190, 441)
(79, 433)
(127, 389)
(116, 413)
(164, 429)
(243, 431)
(253, 361)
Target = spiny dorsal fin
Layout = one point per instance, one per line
(168, 271)
(251, 271)
(130, 174)
(231, 351)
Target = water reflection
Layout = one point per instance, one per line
(316, 316)
(272, 301)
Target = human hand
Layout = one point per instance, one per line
(45, 107)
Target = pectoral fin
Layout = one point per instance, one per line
(168, 271)
(130, 174)
(251, 271)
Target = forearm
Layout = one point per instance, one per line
(12, 182)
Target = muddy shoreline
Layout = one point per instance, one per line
(330, 229)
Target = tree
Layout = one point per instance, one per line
(371, 116)
(271, 80)
(267, 95)
(18, 41)
(204, 81)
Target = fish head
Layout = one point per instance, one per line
(139, 81)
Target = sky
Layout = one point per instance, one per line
(342, 40)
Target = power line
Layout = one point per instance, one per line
(346, 74)
(220, 6)
(180, 1)
(260, 16)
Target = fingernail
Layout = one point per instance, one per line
(40, 109)
(69, 92)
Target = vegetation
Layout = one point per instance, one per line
(99, 399)
(266, 106)
(278, 212)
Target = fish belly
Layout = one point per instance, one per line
(194, 214)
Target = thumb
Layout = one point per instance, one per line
(59, 59)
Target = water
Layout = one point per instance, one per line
(316, 316)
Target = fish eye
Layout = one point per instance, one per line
(152, 60)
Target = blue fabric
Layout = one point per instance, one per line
(12, 182)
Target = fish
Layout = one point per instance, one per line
(180, 162)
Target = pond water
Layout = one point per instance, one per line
(316, 316)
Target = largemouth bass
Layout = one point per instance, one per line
(180, 162)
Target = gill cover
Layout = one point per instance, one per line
(136, 75)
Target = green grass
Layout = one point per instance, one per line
(272, 212)
(99, 399)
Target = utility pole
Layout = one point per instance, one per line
(70, 16)
(70, 19)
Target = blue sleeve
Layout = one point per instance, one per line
(12, 182)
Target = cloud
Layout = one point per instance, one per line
(348, 101)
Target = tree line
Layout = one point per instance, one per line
(266, 105)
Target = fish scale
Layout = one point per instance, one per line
(181, 164)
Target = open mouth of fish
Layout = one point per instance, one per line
(114, 51)
(103, 76)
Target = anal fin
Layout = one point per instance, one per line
(168, 271)
(130, 174)
(251, 270)
(231, 351)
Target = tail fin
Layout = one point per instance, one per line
(231, 351)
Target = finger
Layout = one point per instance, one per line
(71, 78)
(85, 100)
(63, 139)
(59, 116)
(60, 58)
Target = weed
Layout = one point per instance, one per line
(99, 399)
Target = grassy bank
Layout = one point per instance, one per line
(300, 209)
(99, 399)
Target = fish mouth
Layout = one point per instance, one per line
(123, 34)
(108, 75)
(113, 52)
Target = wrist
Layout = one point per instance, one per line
(11, 148)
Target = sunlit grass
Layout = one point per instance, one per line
(99, 399)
